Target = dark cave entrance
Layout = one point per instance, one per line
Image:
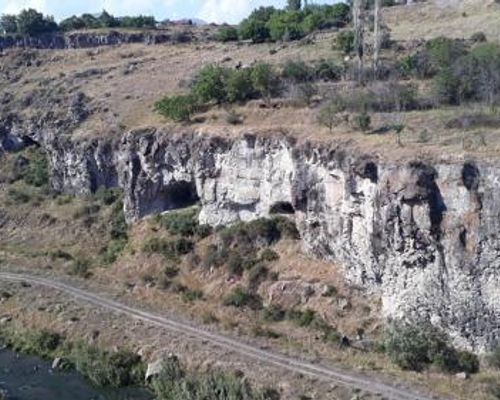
(179, 194)
(282, 207)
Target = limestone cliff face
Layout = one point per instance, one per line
(79, 40)
(425, 236)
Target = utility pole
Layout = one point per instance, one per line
(357, 17)
(377, 38)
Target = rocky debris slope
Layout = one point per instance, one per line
(423, 235)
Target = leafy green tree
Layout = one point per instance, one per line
(254, 27)
(31, 22)
(72, 24)
(141, 21)
(264, 80)
(227, 34)
(106, 20)
(90, 21)
(345, 41)
(286, 25)
(209, 84)
(239, 86)
(8, 24)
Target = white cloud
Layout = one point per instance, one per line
(14, 6)
(219, 11)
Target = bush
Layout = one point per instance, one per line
(327, 71)
(302, 318)
(416, 347)
(104, 368)
(329, 114)
(273, 313)
(362, 121)
(227, 34)
(297, 71)
(80, 267)
(241, 298)
(239, 86)
(445, 51)
(265, 80)
(345, 42)
(168, 249)
(40, 343)
(478, 37)
(269, 255)
(178, 108)
(209, 84)
(118, 224)
(183, 223)
(173, 383)
(107, 196)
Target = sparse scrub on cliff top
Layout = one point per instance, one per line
(178, 108)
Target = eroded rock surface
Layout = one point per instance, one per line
(423, 235)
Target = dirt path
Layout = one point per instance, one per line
(325, 373)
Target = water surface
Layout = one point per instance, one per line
(29, 378)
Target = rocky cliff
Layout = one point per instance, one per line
(78, 40)
(424, 235)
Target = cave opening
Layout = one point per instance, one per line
(470, 176)
(180, 194)
(282, 207)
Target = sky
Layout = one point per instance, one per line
(231, 11)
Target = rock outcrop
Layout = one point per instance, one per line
(424, 235)
(80, 40)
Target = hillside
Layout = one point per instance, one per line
(272, 191)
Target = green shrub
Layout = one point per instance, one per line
(227, 34)
(113, 250)
(178, 108)
(297, 71)
(170, 249)
(327, 71)
(40, 343)
(345, 42)
(19, 195)
(118, 224)
(235, 263)
(265, 80)
(478, 37)
(445, 51)
(209, 84)
(273, 313)
(107, 196)
(183, 222)
(234, 118)
(31, 22)
(329, 114)
(415, 347)
(269, 255)
(80, 267)
(362, 121)
(301, 318)
(190, 295)
(239, 86)
(241, 298)
(446, 87)
(256, 275)
(37, 171)
(173, 384)
(104, 368)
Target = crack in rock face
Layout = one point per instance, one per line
(423, 236)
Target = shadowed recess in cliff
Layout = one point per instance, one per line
(471, 176)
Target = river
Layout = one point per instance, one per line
(29, 378)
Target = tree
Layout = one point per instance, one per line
(239, 86)
(286, 25)
(8, 24)
(72, 24)
(31, 22)
(294, 5)
(107, 20)
(329, 115)
(358, 20)
(264, 80)
(227, 34)
(209, 84)
(377, 38)
(254, 27)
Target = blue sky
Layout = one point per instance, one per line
(231, 11)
